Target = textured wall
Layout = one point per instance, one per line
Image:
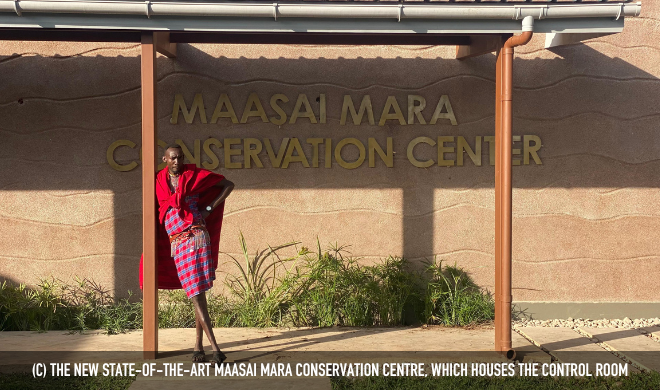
(586, 222)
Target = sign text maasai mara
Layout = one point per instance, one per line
(262, 153)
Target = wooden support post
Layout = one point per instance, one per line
(479, 45)
(163, 44)
(149, 248)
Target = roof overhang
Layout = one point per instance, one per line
(353, 17)
(475, 28)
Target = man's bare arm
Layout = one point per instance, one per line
(227, 187)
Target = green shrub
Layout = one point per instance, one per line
(121, 316)
(335, 290)
(322, 288)
(396, 289)
(175, 310)
(452, 298)
(23, 308)
(261, 297)
(55, 305)
(95, 308)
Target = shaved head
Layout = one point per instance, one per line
(173, 157)
(172, 146)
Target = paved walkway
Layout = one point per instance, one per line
(337, 345)
(275, 344)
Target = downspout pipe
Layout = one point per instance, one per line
(504, 186)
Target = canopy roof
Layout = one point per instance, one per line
(343, 17)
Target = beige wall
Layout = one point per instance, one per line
(586, 222)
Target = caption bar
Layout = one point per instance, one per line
(40, 370)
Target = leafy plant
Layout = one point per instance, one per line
(452, 297)
(260, 300)
(309, 288)
(53, 304)
(23, 308)
(333, 289)
(121, 316)
(175, 310)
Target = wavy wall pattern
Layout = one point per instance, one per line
(586, 222)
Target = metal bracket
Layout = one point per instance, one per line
(17, 8)
(618, 15)
(517, 12)
(275, 5)
(400, 12)
(148, 8)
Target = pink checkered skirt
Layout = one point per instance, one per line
(194, 267)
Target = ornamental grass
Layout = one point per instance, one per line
(313, 288)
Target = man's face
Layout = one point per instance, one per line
(174, 159)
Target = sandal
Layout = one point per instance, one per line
(198, 357)
(218, 357)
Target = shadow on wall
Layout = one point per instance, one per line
(61, 114)
(8, 280)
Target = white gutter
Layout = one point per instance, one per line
(337, 10)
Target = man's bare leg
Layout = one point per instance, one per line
(199, 345)
(199, 332)
(202, 316)
(198, 355)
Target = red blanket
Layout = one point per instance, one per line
(193, 181)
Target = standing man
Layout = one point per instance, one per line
(190, 210)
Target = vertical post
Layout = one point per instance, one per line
(149, 248)
(498, 197)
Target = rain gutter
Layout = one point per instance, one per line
(277, 10)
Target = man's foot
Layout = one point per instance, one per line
(218, 357)
(198, 357)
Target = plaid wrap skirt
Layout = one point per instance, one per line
(194, 266)
(191, 249)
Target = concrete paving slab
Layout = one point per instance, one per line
(527, 352)
(638, 348)
(655, 331)
(346, 344)
(17, 341)
(568, 346)
(337, 344)
(237, 340)
(651, 331)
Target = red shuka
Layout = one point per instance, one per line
(192, 181)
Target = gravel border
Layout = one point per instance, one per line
(625, 323)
